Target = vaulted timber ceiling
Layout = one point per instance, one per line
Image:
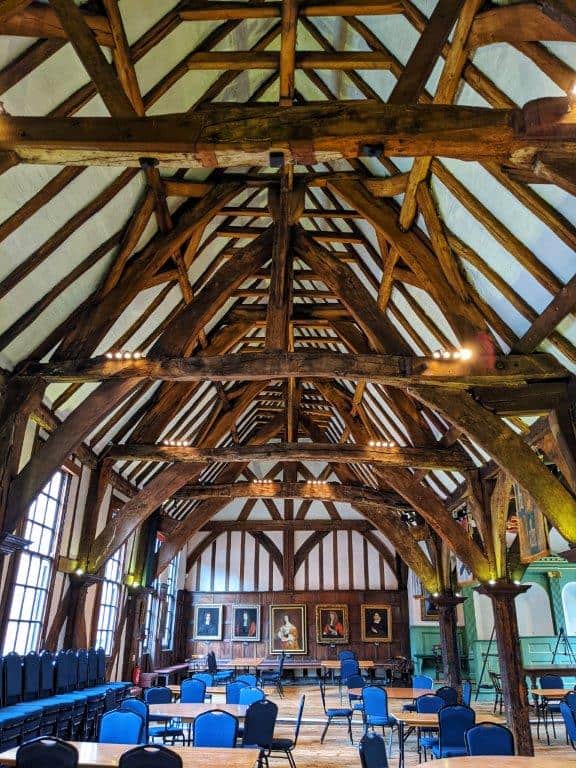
(395, 226)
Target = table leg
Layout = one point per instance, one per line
(400, 744)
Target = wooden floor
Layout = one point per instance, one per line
(337, 751)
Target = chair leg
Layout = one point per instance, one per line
(290, 757)
(350, 729)
(324, 731)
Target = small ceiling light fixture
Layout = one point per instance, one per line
(123, 354)
(463, 353)
(79, 572)
(381, 444)
(492, 582)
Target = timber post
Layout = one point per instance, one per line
(447, 602)
(503, 594)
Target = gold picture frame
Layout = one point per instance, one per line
(376, 623)
(332, 625)
(288, 629)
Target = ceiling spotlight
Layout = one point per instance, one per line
(437, 354)
(109, 355)
(465, 354)
(79, 572)
(492, 582)
(118, 355)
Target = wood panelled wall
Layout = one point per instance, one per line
(241, 561)
(225, 648)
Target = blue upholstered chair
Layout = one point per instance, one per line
(172, 728)
(419, 681)
(570, 723)
(355, 699)
(341, 715)
(250, 680)
(547, 708)
(222, 676)
(259, 724)
(373, 751)
(47, 752)
(274, 677)
(285, 747)
(449, 694)
(150, 756)
(192, 691)
(121, 727)
(489, 739)
(215, 729)
(453, 722)
(248, 696)
(466, 693)
(428, 738)
(233, 691)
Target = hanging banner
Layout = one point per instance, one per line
(532, 531)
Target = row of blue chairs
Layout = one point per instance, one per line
(62, 694)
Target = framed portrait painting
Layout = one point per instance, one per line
(428, 609)
(245, 623)
(376, 623)
(288, 628)
(208, 622)
(332, 624)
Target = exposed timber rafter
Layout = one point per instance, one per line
(445, 458)
(245, 135)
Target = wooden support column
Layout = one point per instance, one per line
(135, 623)
(447, 603)
(288, 559)
(563, 430)
(503, 594)
(76, 633)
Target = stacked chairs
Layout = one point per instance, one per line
(62, 695)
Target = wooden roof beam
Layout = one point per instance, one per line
(394, 370)
(224, 11)
(427, 457)
(306, 134)
(525, 22)
(29, 19)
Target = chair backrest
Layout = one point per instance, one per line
(250, 680)
(496, 680)
(31, 679)
(46, 674)
(551, 681)
(92, 667)
(466, 693)
(121, 727)
(299, 714)
(233, 691)
(12, 679)
(346, 655)
(192, 691)
(453, 722)
(61, 672)
(158, 695)
(207, 679)
(355, 681)
(139, 708)
(422, 681)
(570, 699)
(72, 659)
(250, 695)
(259, 724)
(211, 661)
(51, 751)
(349, 667)
(449, 694)
(569, 720)
(101, 665)
(430, 703)
(489, 739)
(373, 751)
(82, 668)
(375, 701)
(215, 729)
(152, 756)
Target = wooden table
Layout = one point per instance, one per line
(497, 761)
(397, 693)
(335, 664)
(241, 663)
(534, 671)
(551, 693)
(175, 669)
(212, 690)
(92, 755)
(411, 720)
(189, 712)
